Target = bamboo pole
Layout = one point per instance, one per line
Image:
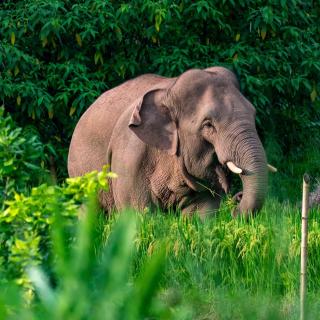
(304, 245)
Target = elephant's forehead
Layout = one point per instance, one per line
(203, 90)
(196, 81)
(198, 94)
(222, 104)
(212, 99)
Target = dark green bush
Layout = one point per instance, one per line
(58, 56)
(21, 158)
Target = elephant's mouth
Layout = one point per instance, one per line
(218, 179)
(191, 181)
(241, 172)
(238, 197)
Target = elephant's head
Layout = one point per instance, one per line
(204, 120)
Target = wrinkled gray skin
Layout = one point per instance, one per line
(169, 139)
(314, 198)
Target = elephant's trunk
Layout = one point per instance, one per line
(250, 156)
(254, 179)
(254, 191)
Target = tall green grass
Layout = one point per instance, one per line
(167, 266)
(210, 263)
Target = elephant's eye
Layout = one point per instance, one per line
(207, 124)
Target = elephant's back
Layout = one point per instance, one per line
(90, 139)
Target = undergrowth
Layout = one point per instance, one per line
(169, 266)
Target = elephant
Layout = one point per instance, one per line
(173, 142)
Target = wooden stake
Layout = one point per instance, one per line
(304, 244)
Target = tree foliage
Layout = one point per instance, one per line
(21, 156)
(58, 56)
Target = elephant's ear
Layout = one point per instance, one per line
(152, 123)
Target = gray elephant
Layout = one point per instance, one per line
(173, 142)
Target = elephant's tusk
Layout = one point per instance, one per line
(272, 168)
(233, 167)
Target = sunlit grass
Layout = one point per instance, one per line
(223, 261)
(166, 266)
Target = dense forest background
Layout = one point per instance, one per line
(57, 57)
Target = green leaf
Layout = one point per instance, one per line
(72, 111)
(13, 38)
(97, 57)
(263, 33)
(158, 20)
(313, 94)
(78, 39)
(31, 166)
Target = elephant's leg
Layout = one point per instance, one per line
(106, 200)
(204, 203)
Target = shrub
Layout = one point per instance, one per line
(21, 158)
(26, 221)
